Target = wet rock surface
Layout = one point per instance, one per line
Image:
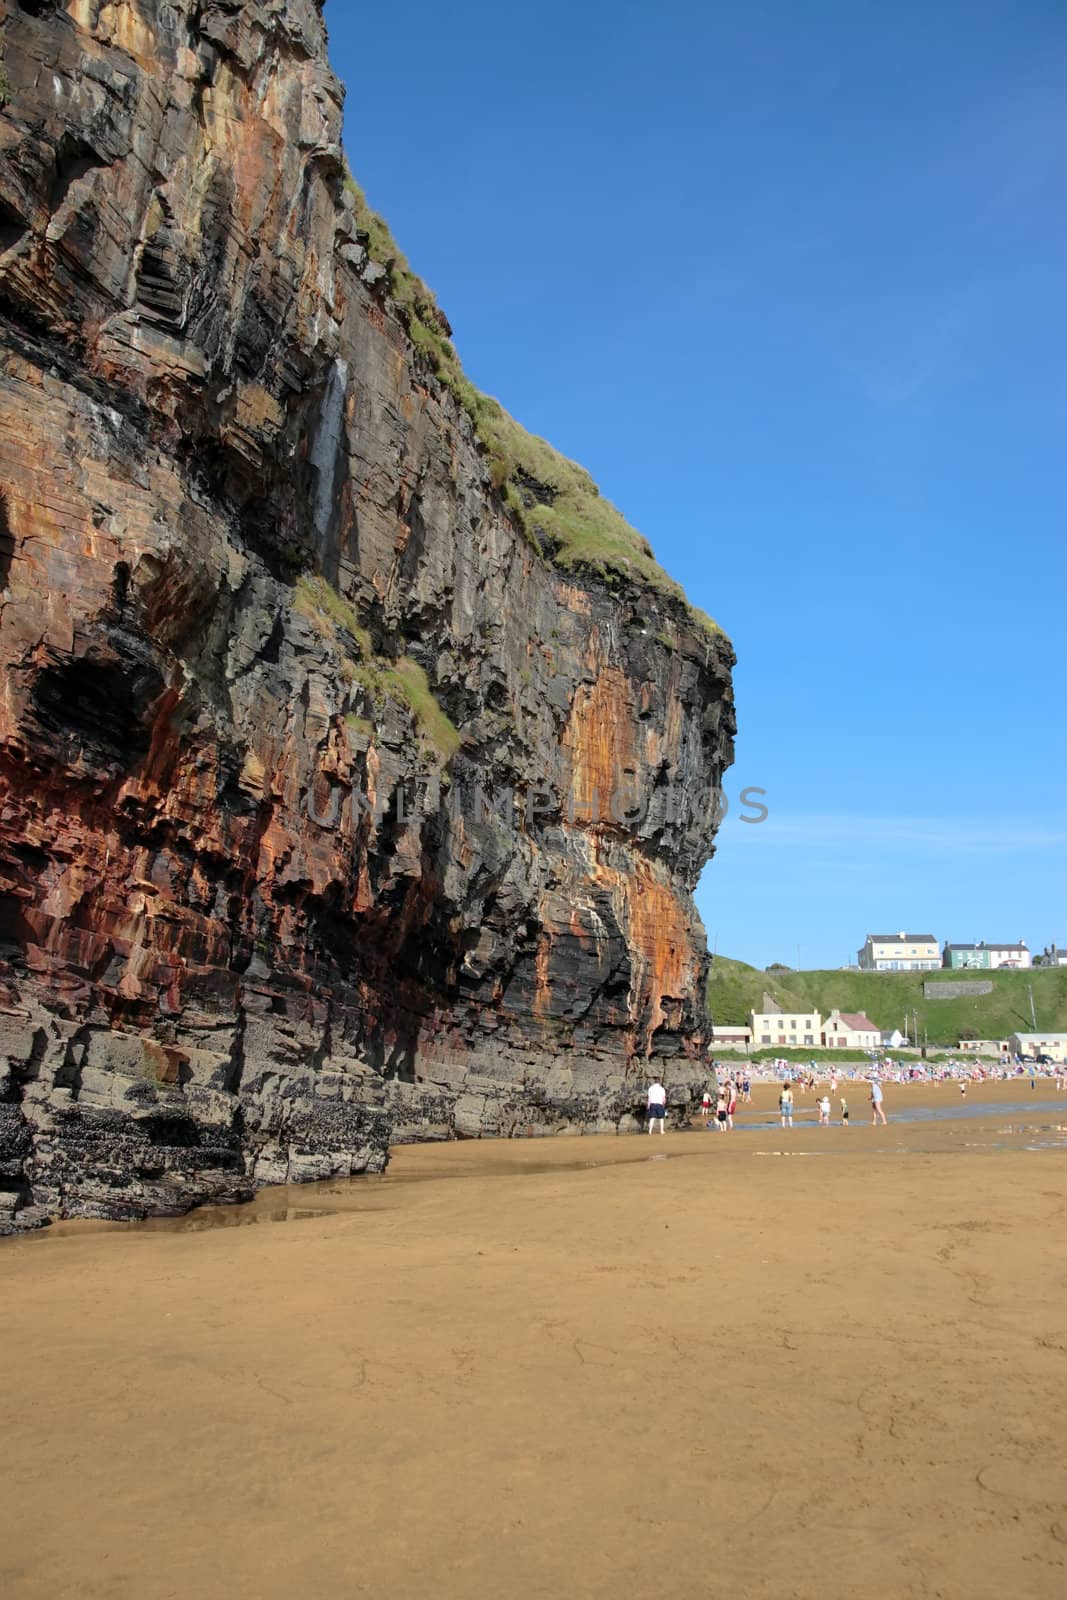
(330, 814)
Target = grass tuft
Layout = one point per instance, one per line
(380, 677)
(319, 602)
(406, 683)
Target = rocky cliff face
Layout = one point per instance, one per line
(332, 811)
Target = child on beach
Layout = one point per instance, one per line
(824, 1111)
(785, 1106)
(844, 1113)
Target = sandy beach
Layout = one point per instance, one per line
(822, 1363)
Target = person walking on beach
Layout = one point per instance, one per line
(785, 1106)
(705, 1104)
(844, 1113)
(657, 1105)
(731, 1101)
(720, 1110)
(824, 1111)
(877, 1108)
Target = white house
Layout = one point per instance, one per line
(893, 1039)
(900, 952)
(1009, 955)
(850, 1030)
(1052, 956)
(1040, 1044)
(731, 1033)
(785, 1027)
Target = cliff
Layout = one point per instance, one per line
(356, 760)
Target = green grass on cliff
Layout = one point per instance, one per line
(406, 682)
(379, 677)
(735, 989)
(319, 601)
(553, 501)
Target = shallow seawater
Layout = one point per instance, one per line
(1023, 1126)
(960, 1110)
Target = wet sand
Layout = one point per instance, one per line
(824, 1363)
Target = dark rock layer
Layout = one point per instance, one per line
(330, 813)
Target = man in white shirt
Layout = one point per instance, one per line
(657, 1106)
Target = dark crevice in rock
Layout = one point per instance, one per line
(95, 712)
(12, 228)
(74, 158)
(7, 542)
(178, 1132)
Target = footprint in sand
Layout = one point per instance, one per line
(1027, 1481)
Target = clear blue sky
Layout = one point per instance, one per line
(791, 280)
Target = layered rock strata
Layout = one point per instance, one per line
(332, 812)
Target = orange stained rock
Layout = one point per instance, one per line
(600, 741)
(659, 931)
(119, 24)
(658, 935)
(543, 989)
(573, 599)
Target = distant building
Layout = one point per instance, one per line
(1053, 955)
(893, 1039)
(1039, 1044)
(797, 1028)
(1010, 955)
(900, 952)
(986, 1047)
(850, 1030)
(965, 957)
(985, 956)
(731, 1033)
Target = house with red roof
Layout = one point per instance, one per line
(850, 1030)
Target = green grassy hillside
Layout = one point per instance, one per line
(735, 989)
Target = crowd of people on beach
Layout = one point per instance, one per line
(727, 1094)
(729, 1087)
(890, 1071)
